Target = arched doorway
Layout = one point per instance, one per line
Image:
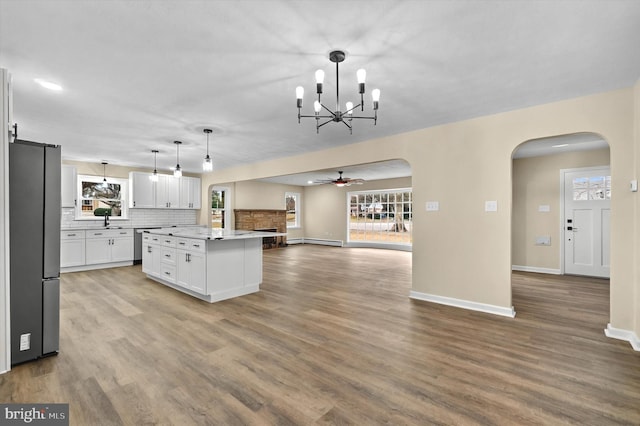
(556, 181)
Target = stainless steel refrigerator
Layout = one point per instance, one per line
(34, 226)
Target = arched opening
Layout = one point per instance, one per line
(561, 191)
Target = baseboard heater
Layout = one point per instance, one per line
(319, 241)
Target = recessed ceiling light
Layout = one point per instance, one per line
(562, 145)
(48, 85)
(309, 182)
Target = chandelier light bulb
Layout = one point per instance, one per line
(319, 76)
(349, 108)
(317, 107)
(299, 92)
(375, 95)
(362, 75)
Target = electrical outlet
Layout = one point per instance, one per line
(25, 342)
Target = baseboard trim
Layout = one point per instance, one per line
(95, 266)
(323, 242)
(621, 334)
(536, 269)
(464, 304)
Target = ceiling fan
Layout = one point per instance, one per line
(342, 181)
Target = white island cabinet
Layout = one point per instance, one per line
(210, 264)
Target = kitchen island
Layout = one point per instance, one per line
(210, 264)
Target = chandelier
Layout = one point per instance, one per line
(338, 116)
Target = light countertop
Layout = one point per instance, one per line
(212, 233)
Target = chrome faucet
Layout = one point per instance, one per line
(106, 219)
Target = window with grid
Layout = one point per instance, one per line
(384, 217)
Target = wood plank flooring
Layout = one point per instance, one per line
(331, 338)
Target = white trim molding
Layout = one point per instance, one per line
(464, 304)
(621, 334)
(535, 269)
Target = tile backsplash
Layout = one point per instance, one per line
(137, 218)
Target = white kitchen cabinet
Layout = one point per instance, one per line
(151, 254)
(72, 248)
(68, 185)
(168, 258)
(191, 265)
(168, 192)
(189, 193)
(142, 190)
(108, 246)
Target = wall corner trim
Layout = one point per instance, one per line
(464, 304)
(621, 334)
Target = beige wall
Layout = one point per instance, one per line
(536, 181)
(461, 251)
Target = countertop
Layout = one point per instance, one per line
(212, 233)
(95, 228)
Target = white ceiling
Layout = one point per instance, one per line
(137, 75)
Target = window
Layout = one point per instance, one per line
(219, 211)
(592, 188)
(292, 203)
(97, 198)
(384, 217)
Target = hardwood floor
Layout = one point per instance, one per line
(331, 338)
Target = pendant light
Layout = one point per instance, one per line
(104, 175)
(178, 171)
(207, 164)
(154, 176)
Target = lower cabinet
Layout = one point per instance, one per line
(72, 248)
(151, 254)
(108, 246)
(192, 265)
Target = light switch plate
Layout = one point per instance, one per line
(433, 206)
(490, 206)
(544, 240)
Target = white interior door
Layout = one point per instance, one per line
(587, 211)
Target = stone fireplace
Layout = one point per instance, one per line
(263, 220)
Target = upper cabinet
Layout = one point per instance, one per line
(189, 193)
(143, 191)
(68, 186)
(167, 193)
